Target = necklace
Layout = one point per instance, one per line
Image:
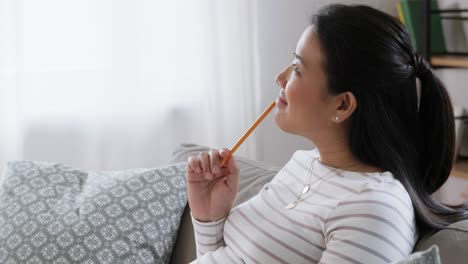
(306, 187)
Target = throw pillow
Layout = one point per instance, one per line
(52, 213)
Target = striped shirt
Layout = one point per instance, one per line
(346, 217)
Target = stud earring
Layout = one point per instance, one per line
(337, 118)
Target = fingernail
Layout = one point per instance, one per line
(198, 170)
(215, 169)
(208, 175)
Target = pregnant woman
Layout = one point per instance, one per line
(383, 146)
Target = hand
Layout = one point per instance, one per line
(211, 190)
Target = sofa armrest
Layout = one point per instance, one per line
(184, 248)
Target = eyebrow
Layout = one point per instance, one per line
(301, 60)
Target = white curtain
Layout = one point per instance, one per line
(107, 85)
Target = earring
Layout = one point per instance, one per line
(337, 118)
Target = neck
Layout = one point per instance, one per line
(335, 152)
(337, 158)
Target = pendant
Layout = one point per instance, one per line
(291, 205)
(306, 189)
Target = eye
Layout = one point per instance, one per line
(296, 69)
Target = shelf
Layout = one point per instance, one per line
(460, 169)
(449, 61)
(439, 11)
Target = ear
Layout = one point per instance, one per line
(346, 104)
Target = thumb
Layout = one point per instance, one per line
(224, 153)
(232, 165)
(233, 178)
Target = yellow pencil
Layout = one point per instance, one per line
(246, 134)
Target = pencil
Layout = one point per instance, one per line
(246, 134)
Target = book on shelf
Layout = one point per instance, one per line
(400, 13)
(410, 13)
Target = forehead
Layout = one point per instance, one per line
(308, 47)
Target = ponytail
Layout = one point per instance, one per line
(435, 144)
(436, 127)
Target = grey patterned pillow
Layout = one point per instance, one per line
(51, 213)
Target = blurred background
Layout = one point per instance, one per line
(109, 85)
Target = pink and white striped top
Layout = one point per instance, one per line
(346, 217)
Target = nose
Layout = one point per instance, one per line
(281, 79)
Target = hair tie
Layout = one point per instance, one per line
(421, 66)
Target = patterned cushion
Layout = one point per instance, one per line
(51, 213)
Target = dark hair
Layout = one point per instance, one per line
(368, 52)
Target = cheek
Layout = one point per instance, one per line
(307, 102)
(294, 92)
(300, 97)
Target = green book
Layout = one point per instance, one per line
(412, 12)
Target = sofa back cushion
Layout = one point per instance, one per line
(428, 256)
(452, 242)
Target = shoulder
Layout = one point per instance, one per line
(379, 210)
(387, 200)
(372, 186)
(373, 192)
(373, 224)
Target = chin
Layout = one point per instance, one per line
(281, 122)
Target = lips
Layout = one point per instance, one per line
(282, 96)
(281, 102)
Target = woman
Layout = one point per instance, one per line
(363, 195)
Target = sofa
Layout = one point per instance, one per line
(452, 242)
(54, 213)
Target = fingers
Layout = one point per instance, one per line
(205, 165)
(231, 163)
(223, 153)
(232, 169)
(208, 163)
(214, 161)
(193, 164)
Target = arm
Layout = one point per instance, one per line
(211, 191)
(210, 244)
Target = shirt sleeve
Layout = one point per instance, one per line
(208, 235)
(369, 228)
(210, 244)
